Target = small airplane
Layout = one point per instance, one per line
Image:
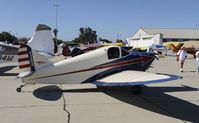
(157, 48)
(190, 50)
(175, 48)
(41, 41)
(8, 53)
(106, 66)
(80, 49)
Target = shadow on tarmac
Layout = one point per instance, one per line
(153, 99)
(50, 93)
(7, 68)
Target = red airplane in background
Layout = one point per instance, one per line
(191, 50)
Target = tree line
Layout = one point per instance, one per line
(6, 36)
(86, 36)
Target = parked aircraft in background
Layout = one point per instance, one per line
(157, 48)
(41, 41)
(8, 52)
(106, 66)
(190, 50)
(77, 49)
(175, 48)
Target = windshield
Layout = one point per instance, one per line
(124, 52)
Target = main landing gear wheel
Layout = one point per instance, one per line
(136, 89)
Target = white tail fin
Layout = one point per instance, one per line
(29, 61)
(42, 39)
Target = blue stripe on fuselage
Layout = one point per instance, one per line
(138, 66)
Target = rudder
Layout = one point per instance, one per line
(29, 61)
(25, 59)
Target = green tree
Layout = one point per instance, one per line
(5, 36)
(1, 37)
(76, 40)
(87, 35)
(59, 41)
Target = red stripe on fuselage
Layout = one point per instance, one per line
(24, 66)
(120, 63)
(123, 63)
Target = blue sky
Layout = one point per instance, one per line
(108, 17)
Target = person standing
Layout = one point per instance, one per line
(197, 61)
(182, 55)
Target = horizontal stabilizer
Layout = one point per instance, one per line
(25, 74)
(8, 49)
(128, 78)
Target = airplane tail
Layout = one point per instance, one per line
(172, 46)
(29, 61)
(42, 40)
(175, 48)
(179, 46)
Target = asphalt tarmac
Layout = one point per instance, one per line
(171, 102)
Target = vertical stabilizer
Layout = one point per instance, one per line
(42, 40)
(175, 48)
(179, 46)
(172, 46)
(25, 59)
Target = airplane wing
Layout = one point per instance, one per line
(8, 49)
(127, 78)
(8, 53)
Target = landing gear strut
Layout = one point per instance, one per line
(136, 89)
(19, 88)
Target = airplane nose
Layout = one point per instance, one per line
(154, 55)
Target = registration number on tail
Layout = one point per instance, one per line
(6, 58)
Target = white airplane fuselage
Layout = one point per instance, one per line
(90, 66)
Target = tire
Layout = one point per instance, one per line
(18, 89)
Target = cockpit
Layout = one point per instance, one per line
(116, 52)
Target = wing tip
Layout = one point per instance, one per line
(170, 78)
